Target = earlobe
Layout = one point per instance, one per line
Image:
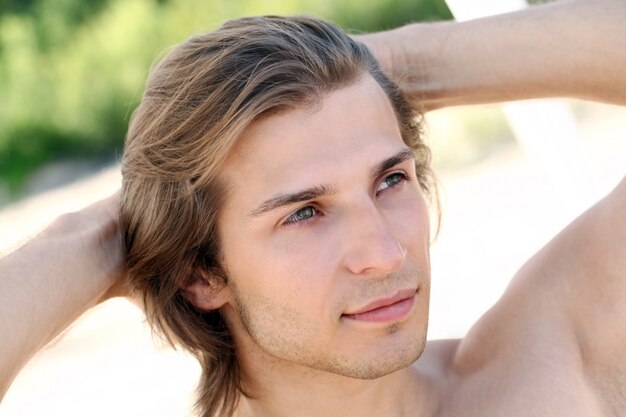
(205, 291)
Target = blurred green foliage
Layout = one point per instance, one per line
(72, 71)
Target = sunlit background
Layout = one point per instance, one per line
(71, 73)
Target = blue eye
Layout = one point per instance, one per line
(302, 215)
(391, 181)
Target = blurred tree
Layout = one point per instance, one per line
(386, 14)
(15, 6)
(72, 71)
(57, 20)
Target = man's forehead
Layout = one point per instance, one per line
(317, 133)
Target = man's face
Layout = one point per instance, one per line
(325, 217)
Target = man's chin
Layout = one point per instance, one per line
(380, 365)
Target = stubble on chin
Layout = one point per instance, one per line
(281, 338)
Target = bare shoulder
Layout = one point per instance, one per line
(560, 324)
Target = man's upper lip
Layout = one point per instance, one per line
(384, 302)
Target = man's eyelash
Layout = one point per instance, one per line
(402, 175)
(289, 223)
(403, 178)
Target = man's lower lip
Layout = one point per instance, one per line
(392, 312)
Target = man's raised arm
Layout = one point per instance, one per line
(569, 48)
(572, 294)
(49, 282)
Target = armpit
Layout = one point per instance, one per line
(610, 384)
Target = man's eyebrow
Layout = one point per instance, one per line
(404, 155)
(282, 200)
(291, 198)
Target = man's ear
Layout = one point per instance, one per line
(206, 291)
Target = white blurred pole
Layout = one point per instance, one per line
(545, 129)
(473, 9)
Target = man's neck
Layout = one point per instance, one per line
(279, 390)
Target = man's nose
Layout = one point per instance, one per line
(371, 247)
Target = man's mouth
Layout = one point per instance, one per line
(386, 309)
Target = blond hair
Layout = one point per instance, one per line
(197, 102)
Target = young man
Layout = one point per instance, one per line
(317, 262)
(274, 199)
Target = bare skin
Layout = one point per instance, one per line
(70, 267)
(553, 345)
(568, 48)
